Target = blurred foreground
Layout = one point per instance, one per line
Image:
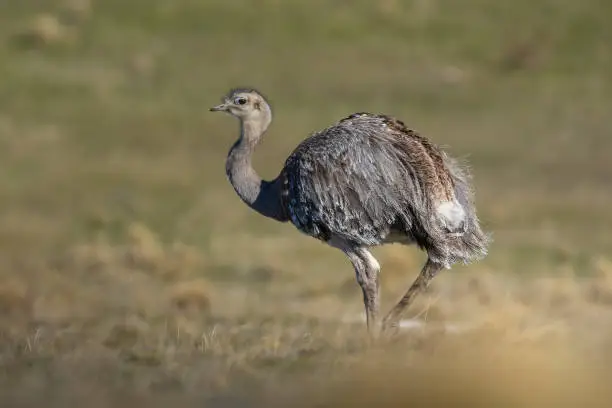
(136, 324)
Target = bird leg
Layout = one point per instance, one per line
(429, 271)
(367, 270)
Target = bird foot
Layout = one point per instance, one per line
(390, 329)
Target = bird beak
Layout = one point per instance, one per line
(219, 108)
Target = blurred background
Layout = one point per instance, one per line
(129, 265)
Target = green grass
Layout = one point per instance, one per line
(115, 209)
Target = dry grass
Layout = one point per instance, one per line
(121, 318)
(131, 274)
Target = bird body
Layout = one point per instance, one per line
(364, 181)
(369, 180)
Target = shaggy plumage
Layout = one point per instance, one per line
(370, 180)
(365, 181)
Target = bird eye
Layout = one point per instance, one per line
(240, 101)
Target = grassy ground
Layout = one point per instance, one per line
(130, 271)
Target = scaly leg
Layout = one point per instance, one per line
(366, 271)
(429, 271)
(371, 290)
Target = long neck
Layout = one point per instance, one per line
(262, 196)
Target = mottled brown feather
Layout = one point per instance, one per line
(426, 157)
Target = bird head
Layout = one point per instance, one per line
(245, 104)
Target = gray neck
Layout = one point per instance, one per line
(262, 196)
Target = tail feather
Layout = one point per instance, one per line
(474, 243)
(456, 236)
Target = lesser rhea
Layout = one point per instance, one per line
(366, 180)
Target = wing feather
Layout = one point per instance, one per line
(369, 176)
(354, 180)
